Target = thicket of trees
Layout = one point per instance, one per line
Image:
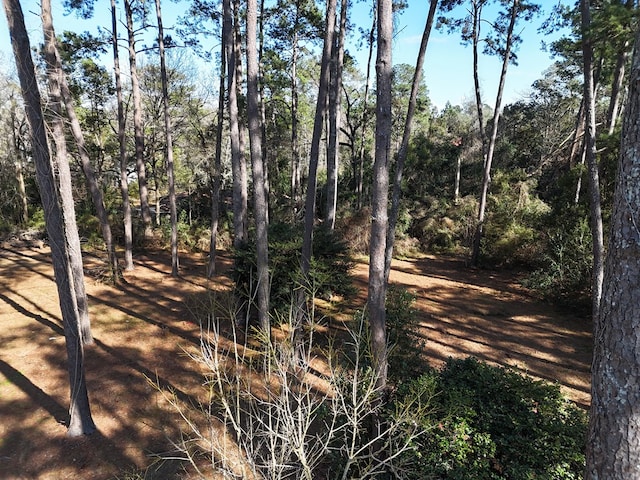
(158, 150)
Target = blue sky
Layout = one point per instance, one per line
(448, 64)
(448, 69)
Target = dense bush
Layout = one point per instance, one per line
(566, 263)
(329, 273)
(512, 234)
(441, 225)
(488, 422)
(405, 347)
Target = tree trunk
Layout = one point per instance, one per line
(259, 189)
(360, 175)
(380, 192)
(456, 182)
(583, 157)
(216, 171)
(18, 166)
(617, 88)
(55, 76)
(592, 165)
(477, 14)
(404, 146)
(168, 149)
(314, 156)
(55, 64)
(80, 421)
(335, 90)
(295, 147)
(122, 143)
(137, 123)
(486, 181)
(613, 447)
(263, 109)
(238, 161)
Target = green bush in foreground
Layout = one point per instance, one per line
(492, 423)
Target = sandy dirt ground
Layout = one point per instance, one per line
(145, 327)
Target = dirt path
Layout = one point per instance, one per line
(143, 328)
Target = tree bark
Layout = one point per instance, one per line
(486, 181)
(380, 192)
(314, 156)
(216, 171)
(122, 143)
(72, 239)
(168, 148)
(55, 65)
(613, 447)
(18, 166)
(296, 177)
(237, 160)
(404, 146)
(80, 421)
(263, 108)
(259, 188)
(335, 90)
(456, 182)
(617, 88)
(476, 7)
(592, 165)
(138, 128)
(360, 174)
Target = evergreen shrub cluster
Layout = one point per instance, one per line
(488, 422)
(330, 265)
(479, 421)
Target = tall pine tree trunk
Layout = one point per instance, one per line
(476, 7)
(486, 180)
(168, 148)
(18, 165)
(613, 446)
(138, 128)
(261, 208)
(404, 146)
(617, 85)
(72, 239)
(54, 64)
(335, 95)
(296, 176)
(359, 184)
(617, 88)
(380, 193)
(314, 155)
(216, 168)
(80, 421)
(238, 161)
(122, 143)
(592, 165)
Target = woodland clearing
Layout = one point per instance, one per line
(145, 326)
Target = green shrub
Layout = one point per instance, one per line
(565, 274)
(329, 273)
(405, 347)
(512, 232)
(492, 423)
(36, 218)
(442, 226)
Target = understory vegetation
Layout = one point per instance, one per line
(283, 407)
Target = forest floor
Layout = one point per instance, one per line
(145, 327)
